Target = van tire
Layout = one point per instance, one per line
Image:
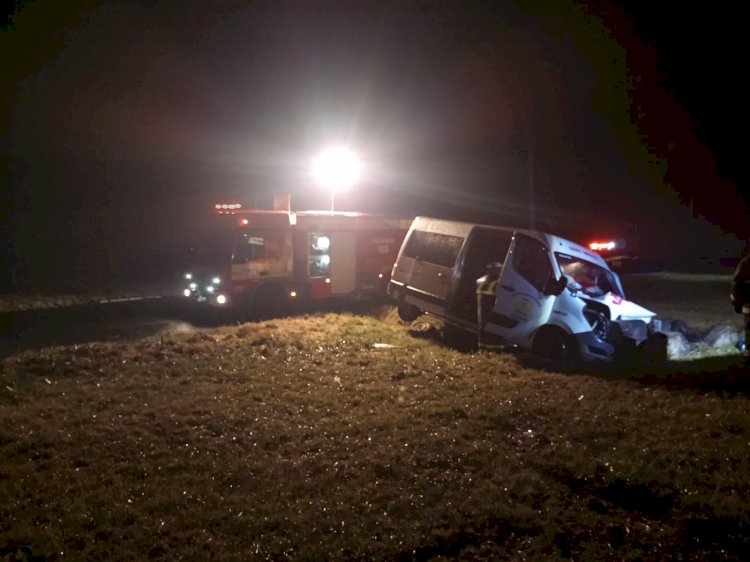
(554, 346)
(407, 312)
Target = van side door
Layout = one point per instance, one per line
(521, 306)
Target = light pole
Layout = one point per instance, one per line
(336, 169)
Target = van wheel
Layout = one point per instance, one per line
(408, 312)
(554, 346)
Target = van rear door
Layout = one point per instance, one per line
(424, 271)
(521, 306)
(431, 257)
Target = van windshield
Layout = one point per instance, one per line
(588, 277)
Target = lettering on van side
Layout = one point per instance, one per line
(524, 307)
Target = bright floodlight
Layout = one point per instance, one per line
(337, 168)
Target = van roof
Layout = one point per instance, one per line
(555, 243)
(558, 244)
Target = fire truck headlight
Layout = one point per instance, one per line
(187, 292)
(216, 280)
(210, 289)
(221, 299)
(193, 286)
(188, 276)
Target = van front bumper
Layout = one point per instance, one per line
(594, 350)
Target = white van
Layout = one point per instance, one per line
(554, 298)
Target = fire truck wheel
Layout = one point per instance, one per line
(271, 301)
(407, 312)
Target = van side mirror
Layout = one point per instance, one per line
(554, 287)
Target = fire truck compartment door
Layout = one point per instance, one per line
(343, 262)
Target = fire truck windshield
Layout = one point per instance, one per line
(249, 246)
(213, 249)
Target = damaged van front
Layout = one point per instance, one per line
(603, 324)
(562, 302)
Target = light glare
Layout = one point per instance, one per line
(599, 246)
(337, 168)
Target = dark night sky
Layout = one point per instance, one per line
(122, 122)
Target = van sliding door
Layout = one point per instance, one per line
(483, 247)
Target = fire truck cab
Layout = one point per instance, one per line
(260, 260)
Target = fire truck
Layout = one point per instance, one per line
(260, 261)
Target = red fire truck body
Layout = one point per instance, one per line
(264, 259)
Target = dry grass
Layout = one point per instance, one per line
(298, 439)
(701, 300)
(12, 302)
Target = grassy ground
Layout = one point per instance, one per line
(12, 302)
(302, 439)
(701, 300)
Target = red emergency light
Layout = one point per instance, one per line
(227, 207)
(603, 246)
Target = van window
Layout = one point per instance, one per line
(531, 261)
(433, 247)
